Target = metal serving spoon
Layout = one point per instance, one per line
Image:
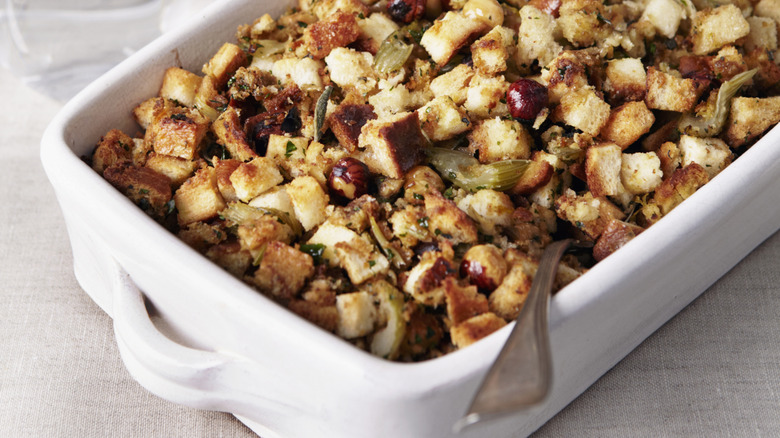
(521, 376)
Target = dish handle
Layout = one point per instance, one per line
(197, 378)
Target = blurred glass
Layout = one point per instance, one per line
(59, 46)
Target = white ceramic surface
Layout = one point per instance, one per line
(239, 352)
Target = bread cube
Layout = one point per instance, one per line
(347, 120)
(584, 110)
(177, 132)
(669, 92)
(486, 96)
(750, 117)
(207, 98)
(309, 201)
(588, 213)
(329, 235)
(424, 280)
(199, 199)
(665, 16)
(302, 72)
(640, 172)
(491, 52)
(222, 171)
(325, 8)
(255, 177)
(453, 84)
(537, 175)
(374, 29)
(475, 328)
(283, 149)
(713, 154)
(679, 186)
(361, 260)
(230, 134)
(626, 80)
(536, 38)
(336, 30)
(445, 218)
(627, 123)
(449, 34)
(180, 85)
(230, 257)
(357, 314)
(508, 298)
(763, 33)
(580, 23)
(602, 167)
(442, 119)
(490, 209)
(462, 302)
(769, 9)
(351, 69)
(714, 28)
(256, 232)
(201, 236)
(224, 63)
(283, 270)
(113, 148)
(145, 111)
(175, 168)
(499, 139)
(391, 100)
(669, 154)
(617, 234)
(392, 144)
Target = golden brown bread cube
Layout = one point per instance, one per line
(588, 213)
(392, 144)
(222, 170)
(202, 236)
(498, 139)
(254, 177)
(463, 302)
(508, 298)
(283, 270)
(750, 117)
(445, 216)
(175, 168)
(602, 168)
(347, 120)
(231, 134)
(144, 186)
(627, 123)
(491, 52)
(535, 176)
(616, 234)
(224, 63)
(199, 199)
(670, 93)
(180, 85)
(337, 30)
(475, 328)
(177, 132)
(626, 80)
(714, 28)
(679, 186)
(450, 33)
(113, 148)
(230, 257)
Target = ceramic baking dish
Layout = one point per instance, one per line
(200, 337)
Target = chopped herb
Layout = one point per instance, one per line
(448, 193)
(315, 250)
(418, 196)
(290, 149)
(371, 263)
(143, 191)
(423, 222)
(320, 110)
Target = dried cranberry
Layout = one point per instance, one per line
(292, 121)
(526, 98)
(406, 11)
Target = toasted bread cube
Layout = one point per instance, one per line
(222, 170)
(640, 172)
(450, 221)
(283, 149)
(485, 96)
(180, 85)
(626, 80)
(207, 98)
(113, 148)
(336, 30)
(283, 270)
(584, 110)
(588, 213)
(670, 93)
(329, 235)
(536, 37)
(580, 23)
(177, 133)
(309, 201)
(490, 209)
(326, 316)
(508, 298)
(302, 72)
(199, 199)
(669, 154)
(602, 167)
(453, 84)
(617, 234)
(535, 176)
(357, 314)
(727, 63)
(627, 123)
(144, 112)
(750, 117)
(679, 186)
(424, 280)
(231, 134)
(392, 144)
(276, 198)
(475, 328)
(769, 9)
(442, 119)
(347, 120)
(665, 15)
(499, 139)
(714, 28)
(325, 8)
(361, 260)
(463, 302)
(491, 52)
(254, 234)
(374, 29)
(763, 33)
(202, 236)
(144, 186)
(255, 177)
(175, 168)
(449, 34)
(230, 257)
(352, 69)
(713, 154)
(391, 100)
(224, 63)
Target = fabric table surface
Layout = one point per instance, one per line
(713, 370)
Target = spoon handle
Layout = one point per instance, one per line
(521, 376)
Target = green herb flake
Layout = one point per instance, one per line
(290, 149)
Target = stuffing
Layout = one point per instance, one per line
(283, 270)
(361, 259)
(302, 72)
(584, 110)
(453, 84)
(475, 328)
(177, 132)
(254, 177)
(309, 201)
(442, 119)
(113, 148)
(176, 169)
(763, 33)
(424, 281)
(750, 117)
(626, 80)
(617, 234)
(444, 217)
(346, 122)
(491, 210)
(640, 172)
(224, 63)
(498, 139)
(230, 134)
(462, 302)
(393, 144)
(485, 96)
(536, 38)
(713, 154)
(602, 167)
(627, 123)
(668, 92)
(491, 52)
(337, 30)
(582, 22)
(180, 85)
(714, 28)
(352, 69)
(679, 186)
(357, 314)
(373, 30)
(449, 34)
(665, 16)
(588, 213)
(199, 198)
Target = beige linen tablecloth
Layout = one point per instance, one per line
(714, 370)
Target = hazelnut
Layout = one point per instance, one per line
(406, 11)
(419, 181)
(349, 178)
(484, 266)
(526, 98)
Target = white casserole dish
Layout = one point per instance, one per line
(239, 352)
